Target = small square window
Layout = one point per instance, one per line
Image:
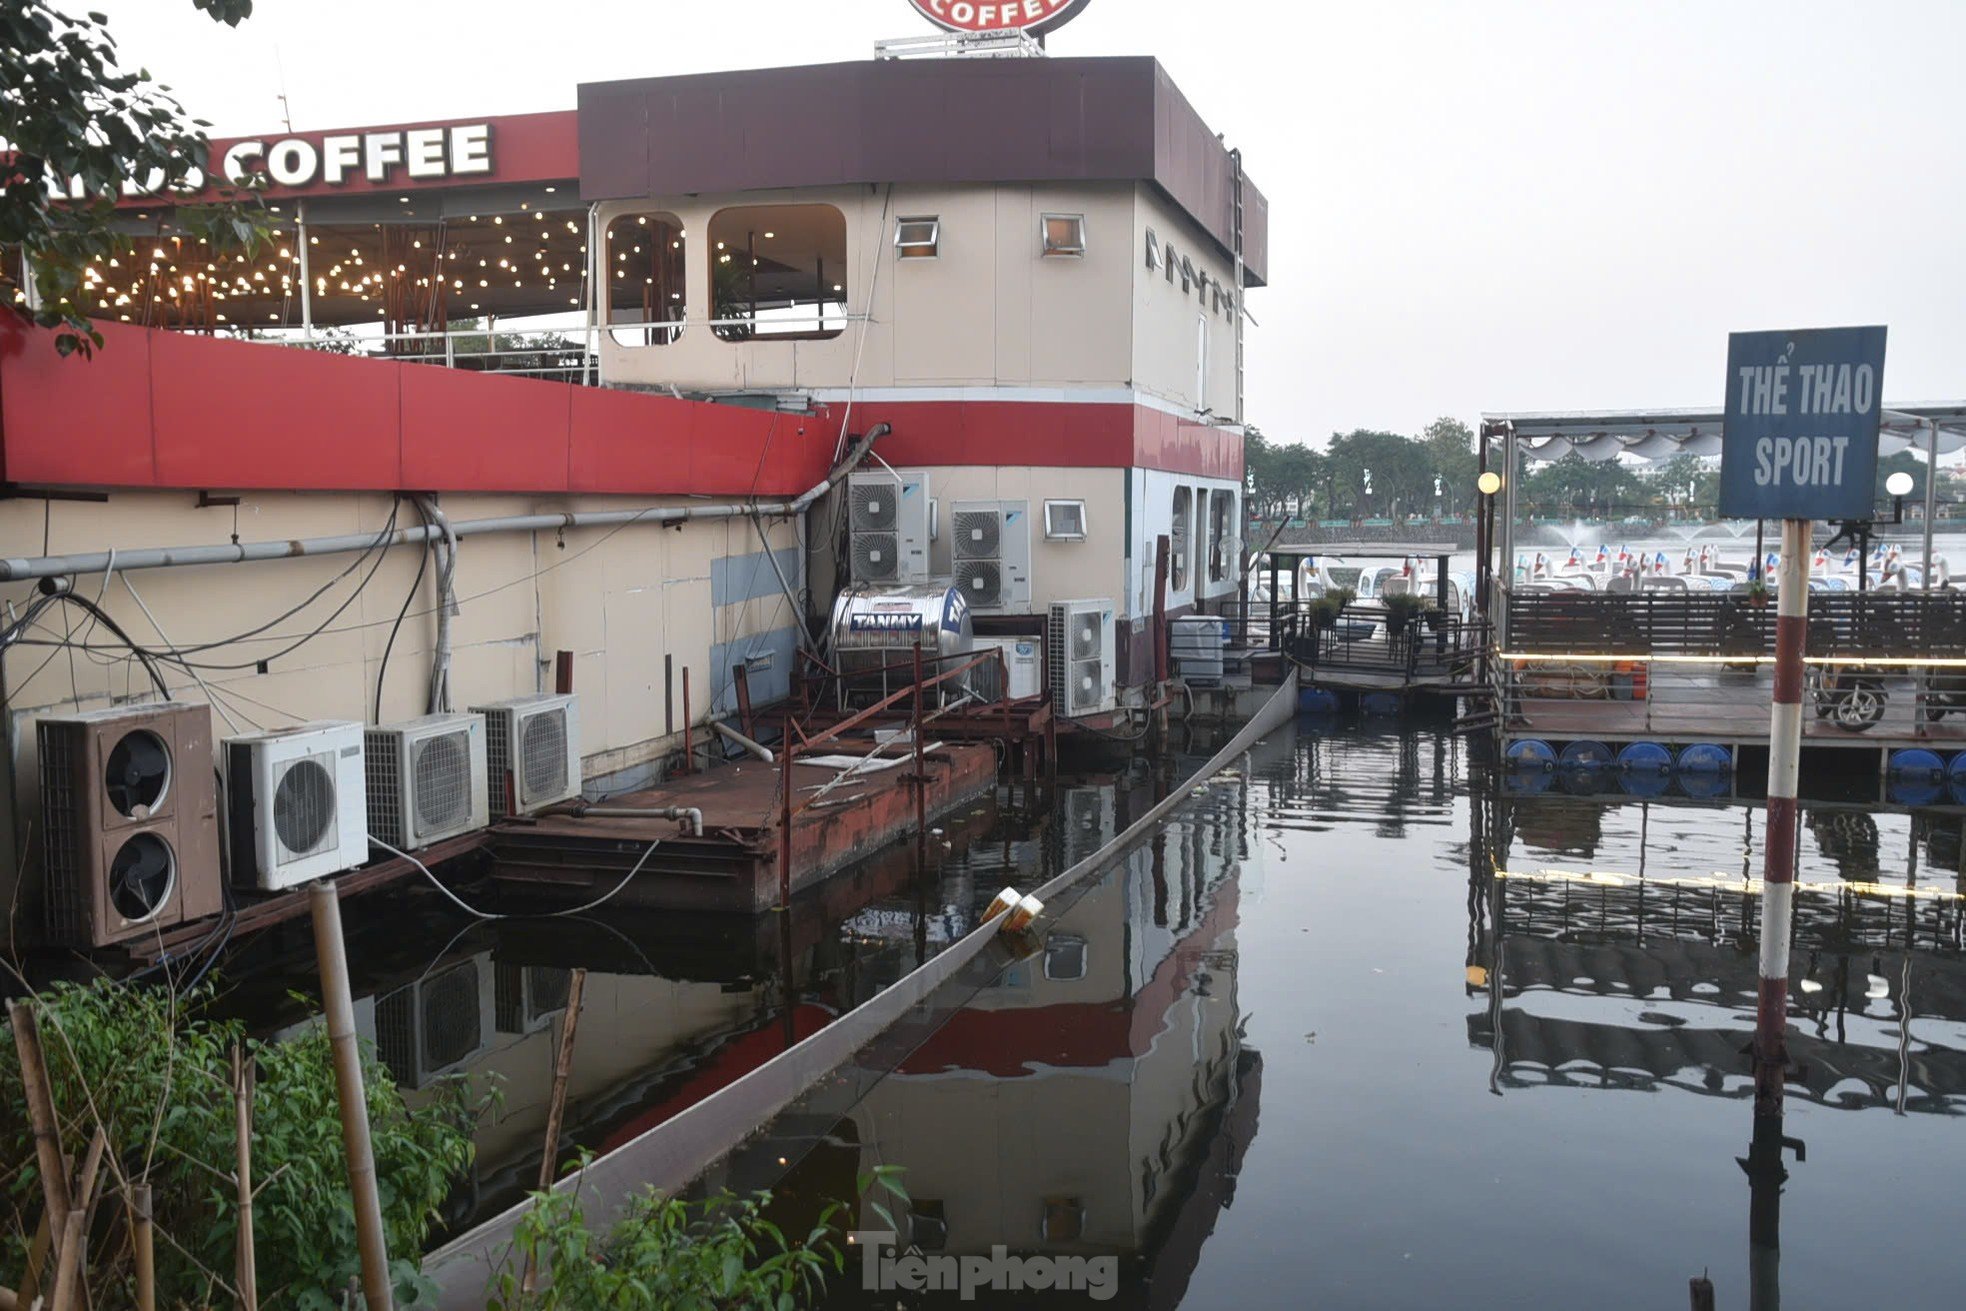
(918, 238)
(1064, 1220)
(1064, 521)
(1064, 957)
(1064, 234)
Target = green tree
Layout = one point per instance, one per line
(71, 115)
(1584, 488)
(1451, 447)
(1379, 474)
(1677, 483)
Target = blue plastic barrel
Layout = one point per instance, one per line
(1956, 771)
(1702, 787)
(1527, 782)
(1586, 754)
(1531, 755)
(1379, 703)
(1916, 765)
(1645, 784)
(1705, 758)
(1910, 790)
(1645, 758)
(1316, 701)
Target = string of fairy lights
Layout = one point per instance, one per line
(532, 261)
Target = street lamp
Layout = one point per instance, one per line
(1489, 483)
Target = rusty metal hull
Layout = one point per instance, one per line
(733, 866)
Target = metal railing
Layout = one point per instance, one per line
(1900, 625)
(1432, 646)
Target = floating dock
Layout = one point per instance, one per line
(732, 865)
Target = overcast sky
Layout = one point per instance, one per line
(1473, 206)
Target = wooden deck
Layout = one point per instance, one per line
(1738, 721)
(733, 865)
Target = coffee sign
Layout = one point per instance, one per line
(1035, 17)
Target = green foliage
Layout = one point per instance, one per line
(1576, 486)
(1402, 606)
(719, 1254)
(157, 1076)
(69, 111)
(1326, 609)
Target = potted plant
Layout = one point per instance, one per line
(1756, 592)
(1432, 615)
(1326, 609)
(1400, 611)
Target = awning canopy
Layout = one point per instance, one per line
(1365, 550)
(1662, 434)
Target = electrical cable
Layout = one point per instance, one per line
(469, 909)
(382, 671)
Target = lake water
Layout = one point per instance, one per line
(1306, 1049)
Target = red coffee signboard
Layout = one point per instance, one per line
(1034, 16)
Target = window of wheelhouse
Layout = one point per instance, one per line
(1221, 513)
(778, 272)
(1177, 553)
(647, 301)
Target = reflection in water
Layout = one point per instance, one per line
(1442, 1054)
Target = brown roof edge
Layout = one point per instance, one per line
(916, 121)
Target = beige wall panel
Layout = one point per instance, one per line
(1166, 321)
(946, 307)
(1080, 328)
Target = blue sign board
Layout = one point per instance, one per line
(1799, 440)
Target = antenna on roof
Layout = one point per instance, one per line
(280, 69)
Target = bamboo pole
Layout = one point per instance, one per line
(332, 957)
(41, 1115)
(243, 1080)
(556, 1105)
(142, 1241)
(37, 1262)
(68, 1264)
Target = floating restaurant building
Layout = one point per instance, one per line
(615, 401)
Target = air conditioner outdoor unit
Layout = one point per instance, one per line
(297, 804)
(527, 997)
(890, 520)
(427, 779)
(533, 752)
(1022, 662)
(438, 1024)
(129, 822)
(1080, 634)
(990, 550)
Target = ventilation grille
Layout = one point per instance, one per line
(453, 1024)
(1085, 637)
(68, 901)
(441, 769)
(876, 557)
(1087, 679)
(979, 534)
(383, 771)
(543, 756)
(981, 582)
(395, 1034)
(142, 877)
(523, 995)
(875, 507)
(304, 807)
(498, 754)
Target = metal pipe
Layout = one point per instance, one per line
(1931, 494)
(1778, 871)
(762, 753)
(439, 699)
(690, 815)
(21, 568)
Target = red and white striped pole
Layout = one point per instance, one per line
(1778, 846)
